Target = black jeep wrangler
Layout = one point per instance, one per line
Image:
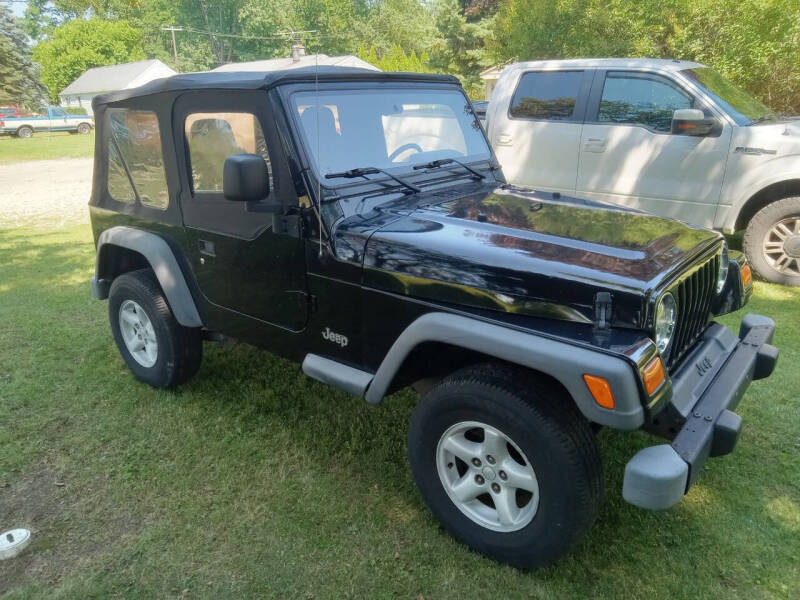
(357, 222)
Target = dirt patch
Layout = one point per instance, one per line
(45, 193)
(67, 521)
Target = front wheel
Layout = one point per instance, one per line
(506, 463)
(84, 128)
(156, 348)
(772, 242)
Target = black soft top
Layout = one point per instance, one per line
(252, 80)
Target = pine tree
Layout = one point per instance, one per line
(19, 76)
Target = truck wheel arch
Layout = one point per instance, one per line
(121, 249)
(763, 197)
(563, 362)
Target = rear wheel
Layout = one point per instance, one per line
(772, 242)
(156, 348)
(25, 132)
(506, 463)
(84, 128)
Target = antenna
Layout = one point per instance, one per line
(319, 158)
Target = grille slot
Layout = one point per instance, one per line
(693, 295)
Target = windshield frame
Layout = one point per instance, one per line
(309, 163)
(738, 117)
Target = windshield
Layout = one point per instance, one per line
(741, 106)
(387, 128)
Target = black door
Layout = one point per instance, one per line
(242, 260)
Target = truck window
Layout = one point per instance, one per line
(213, 137)
(135, 148)
(59, 113)
(548, 95)
(641, 99)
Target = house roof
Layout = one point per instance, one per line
(112, 77)
(306, 60)
(251, 80)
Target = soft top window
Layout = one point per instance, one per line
(135, 155)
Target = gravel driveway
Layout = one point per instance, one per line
(51, 193)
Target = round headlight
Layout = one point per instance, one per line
(722, 277)
(666, 316)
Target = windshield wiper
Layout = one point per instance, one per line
(435, 164)
(360, 172)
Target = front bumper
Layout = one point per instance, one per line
(700, 418)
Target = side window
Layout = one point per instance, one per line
(59, 113)
(213, 137)
(549, 95)
(641, 100)
(134, 153)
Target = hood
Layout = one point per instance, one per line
(531, 253)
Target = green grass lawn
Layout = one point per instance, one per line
(45, 145)
(254, 481)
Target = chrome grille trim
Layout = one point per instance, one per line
(693, 293)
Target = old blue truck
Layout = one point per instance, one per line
(54, 118)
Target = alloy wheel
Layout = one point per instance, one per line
(138, 333)
(487, 476)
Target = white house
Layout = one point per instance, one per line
(111, 78)
(299, 58)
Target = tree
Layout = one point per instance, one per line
(82, 44)
(396, 60)
(19, 79)
(460, 47)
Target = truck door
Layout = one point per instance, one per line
(629, 155)
(243, 260)
(537, 132)
(58, 119)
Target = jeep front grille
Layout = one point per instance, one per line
(693, 293)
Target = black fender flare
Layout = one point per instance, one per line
(566, 362)
(163, 262)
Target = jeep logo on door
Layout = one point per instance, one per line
(336, 338)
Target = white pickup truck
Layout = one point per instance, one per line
(669, 137)
(53, 119)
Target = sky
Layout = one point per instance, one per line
(17, 6)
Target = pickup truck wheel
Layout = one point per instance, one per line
(507, 463)
(25, 132)
(156, 348)
(772, 242)
(84, 128)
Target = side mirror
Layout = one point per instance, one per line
(245, 178)
(691, 121)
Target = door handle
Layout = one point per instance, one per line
(206, 247)
(595, 145)
(503, 139)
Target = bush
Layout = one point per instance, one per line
(75, 110)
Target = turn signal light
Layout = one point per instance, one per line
(600, 390)
(654, 375)
(747, 275)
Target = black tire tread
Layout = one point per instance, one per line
(551, 407)
(186, 342)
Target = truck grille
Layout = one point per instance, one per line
(693, 294)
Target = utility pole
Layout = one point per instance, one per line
(172, 29)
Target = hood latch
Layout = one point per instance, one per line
(602, 310)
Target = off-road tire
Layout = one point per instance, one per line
(180, 349)
(543, 421)
(757, 230)
(25, 132)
